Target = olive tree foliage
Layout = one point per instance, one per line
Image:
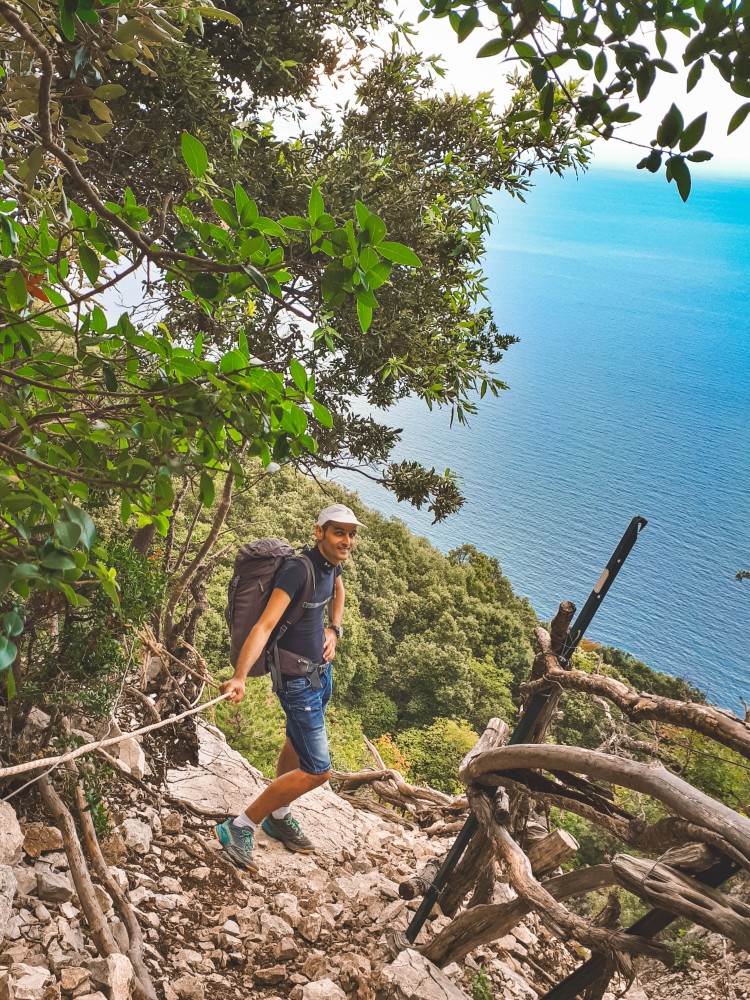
(609, 39)
(136, 145)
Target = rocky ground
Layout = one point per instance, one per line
(308, 928)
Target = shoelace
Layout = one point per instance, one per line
(290, 821)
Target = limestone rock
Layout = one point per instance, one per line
(172, 823)
(11, 836)
(26, 879)
(412, 977)
(137, 835)
(39, 838)
(29, 981)
(73, 977)
(130, 753)
(323, 989)
(8, 885)
(271, 976)
(52, 886)
(189, 988)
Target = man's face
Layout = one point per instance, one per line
(336, 542)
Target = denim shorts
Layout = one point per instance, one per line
(304, 707)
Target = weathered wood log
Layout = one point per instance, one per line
(143, 987)
(477, 858)
(716, 723)
(484, 924)
(551, 852)
(378, 809)
(559, 626)
(670, 890)
(420, 883)
(676, 794)
(60, 814)
(554, 915)
(691, 857)
(495, 734)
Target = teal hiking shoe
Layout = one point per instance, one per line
(237, 841)
(287, 830)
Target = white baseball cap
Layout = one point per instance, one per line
(340, 513)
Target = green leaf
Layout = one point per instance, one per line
(79, 517)
(321, 414)
(492, 48)
(246, 208)
(8, 651)
(194, 154)
(600, 66)
(55, 560)
(468, 22)
(584, 60)
(12, 624)
(217, 14)
(89, 260)
(693, 134)
(315, 206)
(363, 214)
(696, 71)
(11, 685)
(525, 51)
(233, 361)
(226, 212)
(67, 533)
(364, 314)
(678, 170)
(296, 222)
(671, 127)
(15, 289)
(205, 285)
(399, 254)
(110, 91)
(299, 375)
(206, 490)
(738, 118)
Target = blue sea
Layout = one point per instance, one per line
(629, 394)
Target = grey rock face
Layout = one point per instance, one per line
(413, 977)
(8, 886)
(136, 835)
(52, 886)
(11, 836)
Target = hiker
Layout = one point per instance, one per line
(304, 762)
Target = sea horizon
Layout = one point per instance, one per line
(627, 396)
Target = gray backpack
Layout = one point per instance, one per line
(255, 566)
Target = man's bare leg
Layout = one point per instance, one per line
(288, 759)
(283, 791)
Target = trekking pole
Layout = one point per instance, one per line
(535, 706)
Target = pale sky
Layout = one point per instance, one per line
(712, 94)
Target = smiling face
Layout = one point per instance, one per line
(336, 541)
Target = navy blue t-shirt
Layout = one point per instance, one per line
(306, 637)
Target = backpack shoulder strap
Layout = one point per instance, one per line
(296, 609)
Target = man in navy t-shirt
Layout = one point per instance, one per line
(304, 762)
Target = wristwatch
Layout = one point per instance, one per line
(338, 629)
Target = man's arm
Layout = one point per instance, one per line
(256, 642)
(337, 613)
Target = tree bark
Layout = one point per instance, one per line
(718, 725)
(143, 985)
(63, 820)
(670, 890)
(554, 915)
(678, 795)
(485, 924)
